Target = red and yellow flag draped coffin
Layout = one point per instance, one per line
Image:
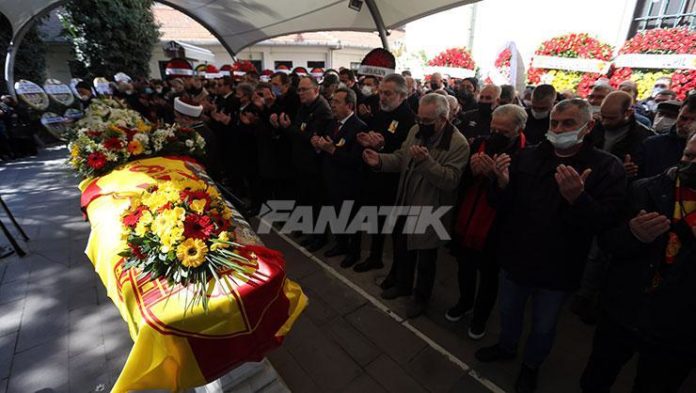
(175, 347)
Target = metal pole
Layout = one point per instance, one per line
(379, 22)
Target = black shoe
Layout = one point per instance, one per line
(335, 251)
(527, 380)
(368, 264)
(415, 308)
(394, 292)
(316, 245)
(388, 283)
(349, 261)
(457, 312)
(493, 353)
(585, 308)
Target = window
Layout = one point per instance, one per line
(654, 14)
(315, 64)
(285, 63)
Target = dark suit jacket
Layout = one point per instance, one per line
(312, 119)
(342, 170)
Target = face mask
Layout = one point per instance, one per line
(656, 91)
(527, 103)
(498, 142)
(84, 98)
(540, 115)
(434, 85)
(366, 90)
(485, 109)
(565, 140)
(148, 90)
(129, 92)
(663, 124)
(595, 109)
(426, 130)
(277, 91)
(687, 174)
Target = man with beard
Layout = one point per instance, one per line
(468, 94)
(619, 134)
(543, 98)
(661, 152)
(389, 129)
(474, 239)
(477, 122)
(648, 303)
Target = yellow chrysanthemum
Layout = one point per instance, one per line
(213, 192)
(141, 229)
(145, 218)
(198, 206)
(154, 200)
(74, 151)
(227, 213)
(165, 222)
(224, 236)
(142, 127)
(192, 252)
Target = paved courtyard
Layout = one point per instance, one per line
(60, 333)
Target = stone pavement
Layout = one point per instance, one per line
(59, 332)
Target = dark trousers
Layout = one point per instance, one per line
(659, 371)
(348, 242)
(482, 297)
(406, 261)
(310, 192)
(546, 308)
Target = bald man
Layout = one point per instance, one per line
(618, 132)
(477, 122)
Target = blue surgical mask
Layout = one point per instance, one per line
(565, 140)
(276, 91)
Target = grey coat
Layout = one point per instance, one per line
(432, 182)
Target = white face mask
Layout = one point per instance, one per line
(663, 124)
(595, 109)
(366, 90)
(565, 140)
(540, 115)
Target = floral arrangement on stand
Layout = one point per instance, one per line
(571, 46)
(183, 233)
(662, 43)
(456, 62)
(113, 137)
(502, 62)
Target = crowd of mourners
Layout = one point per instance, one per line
(555, 198)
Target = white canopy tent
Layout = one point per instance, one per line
(238, 24)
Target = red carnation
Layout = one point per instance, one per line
(96, 160)
(135, 250)
(131, 220)
(198, 227)
(113, 144)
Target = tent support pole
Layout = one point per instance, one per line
(379, 22)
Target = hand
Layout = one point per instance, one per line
(248, 118)
(221, 117)
(647, 227)
(630, 167)
(364, 110)
(377, 139)
(315, 141)
(284, 120)
(371, 139)
(326, 144)
(501, 169)
(371, 158)
(418, 153)
(487, 164)
(570, 183)
(274, 120)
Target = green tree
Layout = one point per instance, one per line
(111, 36)
(30, 61)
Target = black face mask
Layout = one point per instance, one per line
(434, 86)
(687, 174)
(497, 142)
(426, 131)
(485, 109)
